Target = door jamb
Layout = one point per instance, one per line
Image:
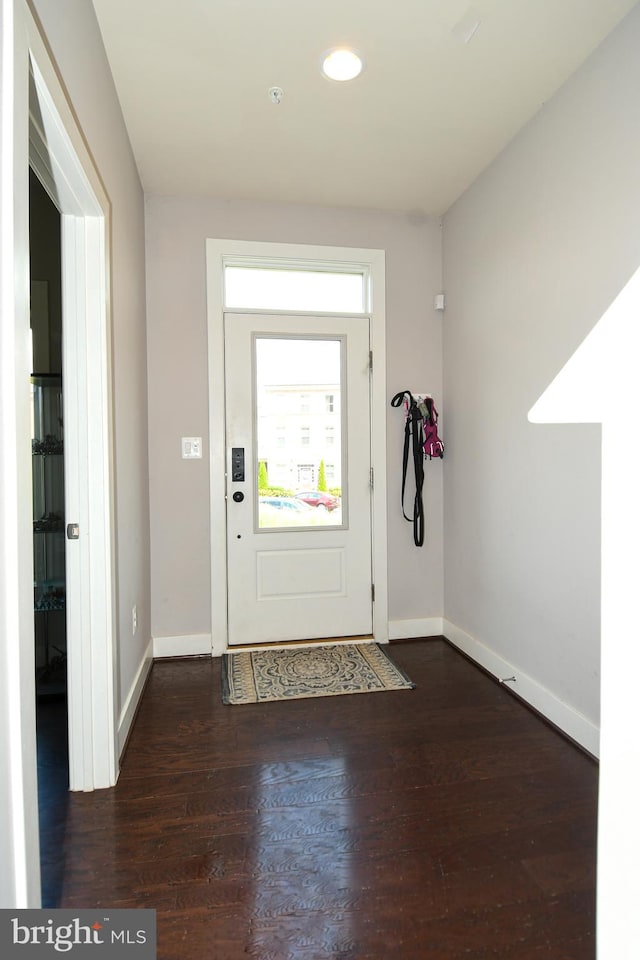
(218, 252)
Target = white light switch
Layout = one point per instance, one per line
(192, 448)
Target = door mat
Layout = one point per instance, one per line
(322, 671)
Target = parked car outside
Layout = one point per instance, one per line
(285, 512)
(284, 503)
(316, 498)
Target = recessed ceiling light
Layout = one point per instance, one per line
(342, 64)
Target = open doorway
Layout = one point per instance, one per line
(49, 577)
(63, 168)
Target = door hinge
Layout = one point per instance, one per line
(373, 592)
(371, 360)
(371, 477)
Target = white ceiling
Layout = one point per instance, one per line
(430, 111)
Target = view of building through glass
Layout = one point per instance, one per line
(299, 431)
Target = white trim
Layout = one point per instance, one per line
(60, 156)
(563, 716)
(410, 629)
(321, 264)
(57, 150)
(253, 311)
(189, 645)
(19, 847)
(128, 711)
(219, 252)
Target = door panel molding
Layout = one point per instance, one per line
(218, 253)
(329, 569)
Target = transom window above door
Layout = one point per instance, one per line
(251, 287)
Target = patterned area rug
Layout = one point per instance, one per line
(324, 671)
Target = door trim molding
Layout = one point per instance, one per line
(19, 847)
(62, 161)
(218, 252)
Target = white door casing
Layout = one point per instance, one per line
(307, 581)
(19, 853)
(59, 156)
(372, 262)
(42, 129)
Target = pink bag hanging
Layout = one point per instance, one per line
(433, 445)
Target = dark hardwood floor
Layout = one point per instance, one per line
(53, 792)
(443, 822)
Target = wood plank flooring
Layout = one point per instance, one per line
(443, 822)
(53, 795)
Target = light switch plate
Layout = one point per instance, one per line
(191, 448)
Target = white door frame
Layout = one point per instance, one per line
(60, 157)
(42, 130)
(218, 253)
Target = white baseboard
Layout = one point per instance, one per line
(194, 645)
(129, 709)
(574, 724)
(408, 629)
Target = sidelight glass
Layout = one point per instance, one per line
(299, 431)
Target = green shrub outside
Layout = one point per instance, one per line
(322, 477)
(275, 492)
(265, 490)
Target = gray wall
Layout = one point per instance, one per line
(177, 337)
(533, 254)
(76, 43)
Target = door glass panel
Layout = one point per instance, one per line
(269, 288)
(299, 432)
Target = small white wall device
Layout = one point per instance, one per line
(191, 448)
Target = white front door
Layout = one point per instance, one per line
(298, 477)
